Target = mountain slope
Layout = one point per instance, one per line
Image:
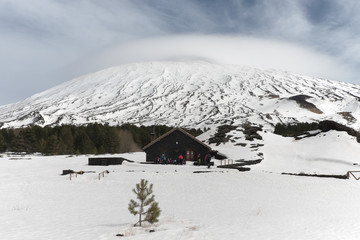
(191, 94)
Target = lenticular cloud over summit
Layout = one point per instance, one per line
(240, 50)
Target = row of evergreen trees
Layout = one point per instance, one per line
(295, 129)
(70, 139)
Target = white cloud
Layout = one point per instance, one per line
(240, 50)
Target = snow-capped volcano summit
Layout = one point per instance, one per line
(191, 94)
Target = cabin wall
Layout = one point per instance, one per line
(175, 144)
(105, 161)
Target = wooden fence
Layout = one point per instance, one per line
(226, 162)
(101, 174)
(75, 173)
(351, 173)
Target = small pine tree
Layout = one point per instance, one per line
(144, 195)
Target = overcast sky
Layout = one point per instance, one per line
(47, 42)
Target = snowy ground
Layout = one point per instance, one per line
(38, 203)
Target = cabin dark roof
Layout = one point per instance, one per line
(171, 131)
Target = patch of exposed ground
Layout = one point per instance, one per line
(301, 101)
(251, 131)
(348, 117)
(221, 134)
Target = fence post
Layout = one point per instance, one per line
(102, 174)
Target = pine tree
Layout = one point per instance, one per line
(66, 140)
(144, 195)
(52, 145)
(2, 143)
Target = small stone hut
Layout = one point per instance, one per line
(174, 143)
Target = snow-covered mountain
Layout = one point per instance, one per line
(196, 202)
(188, 94)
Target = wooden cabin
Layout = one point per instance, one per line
(175, 143)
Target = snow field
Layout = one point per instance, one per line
(327, 153)
(38, 203)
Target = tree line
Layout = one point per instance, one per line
(88, 139)
(295, 129)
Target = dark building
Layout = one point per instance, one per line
(175, 143)
(106, 161)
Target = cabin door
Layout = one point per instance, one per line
(189, 155)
